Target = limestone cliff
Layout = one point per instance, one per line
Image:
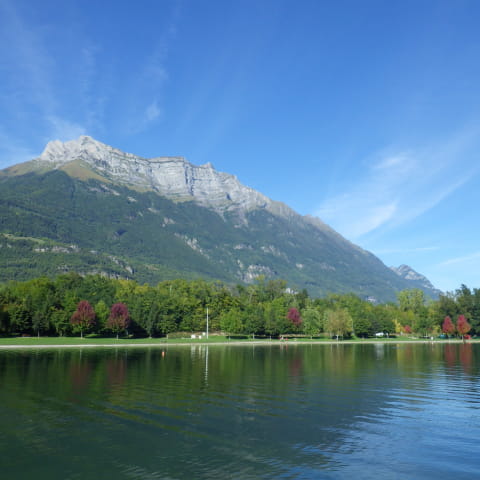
(172, 177)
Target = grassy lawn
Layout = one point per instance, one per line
(75, 341)
(96, 340)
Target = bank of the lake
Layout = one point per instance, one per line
(90, 342)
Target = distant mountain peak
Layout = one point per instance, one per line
(83, 148)
(408, 273)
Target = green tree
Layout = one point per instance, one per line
(231, 322)
(102, 311)
(275, 317)
(254, 319)
(20, 319)
(445, 306)
(60, 320)
(338, 322)
(465, 300)
(385, 316)
(312, 321)
(152, 320)
(363, 327)
(423, 324)
(411, 299)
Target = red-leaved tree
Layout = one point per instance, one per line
(447, 326)
(119, 319)
(294, 316)
(408, 329)
(463, 327)
(83, 318)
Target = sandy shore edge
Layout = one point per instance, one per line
(238, 343)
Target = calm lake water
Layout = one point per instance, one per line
(307, 411)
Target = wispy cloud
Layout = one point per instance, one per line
(59, 76)
(64, 129)
(27, 62)
(383, 251)
(33, 85)
(395, 188)
(144, 118)
(146, 93)
(459, 260)
(144, 106)
(152, 112)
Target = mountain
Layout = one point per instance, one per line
(85, 206)
(416, 279)
(172, 177)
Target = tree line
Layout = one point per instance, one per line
(72, 304)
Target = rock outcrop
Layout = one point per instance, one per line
(408, 273)
(172, 177)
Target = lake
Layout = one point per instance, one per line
(195, 412)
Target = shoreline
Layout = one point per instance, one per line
(234, 343)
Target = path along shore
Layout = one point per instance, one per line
(233, 343)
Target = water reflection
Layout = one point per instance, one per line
(115, 370)
(466, 357)
(450, 355)
(298, 411)
(79, 374)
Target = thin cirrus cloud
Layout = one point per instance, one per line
(25, 58)
(144, 107)
(144, 118)
(63, 129)
(373, 200)
(384, 251)
(33, 82)
(153, 111)
(398, 188)
(66, 99)
(461, 260)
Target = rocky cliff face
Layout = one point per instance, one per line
(172, 177)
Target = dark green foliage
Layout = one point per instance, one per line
(46, 307)
(312, 321)
(231, 321)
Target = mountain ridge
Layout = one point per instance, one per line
(171, 176)
(166, 204)
(408, 273)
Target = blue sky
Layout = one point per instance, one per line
(364, 113)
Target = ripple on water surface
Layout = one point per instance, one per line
(403, 412)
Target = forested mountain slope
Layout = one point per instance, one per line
(84, 206)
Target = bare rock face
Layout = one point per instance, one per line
(408, 273)
(172, 177)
